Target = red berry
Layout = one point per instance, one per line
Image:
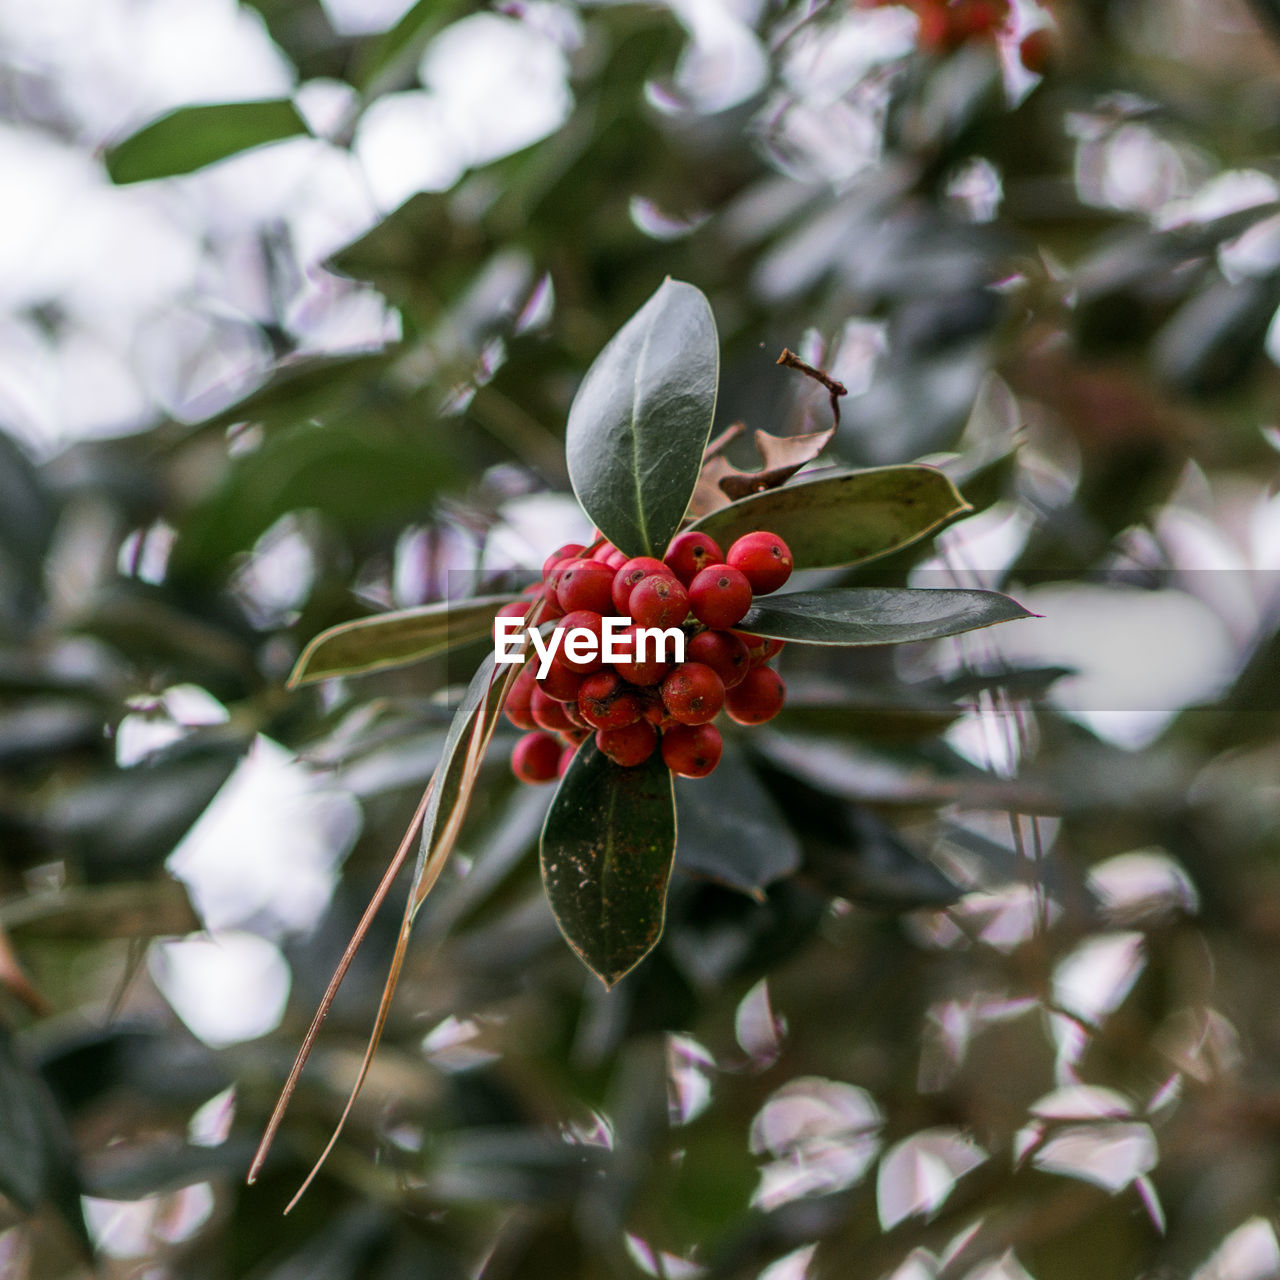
(585, 584)
(935, 28)
(630, 575)
(570, 551)
(1036, 50)
(516, 609)
(723, 652)
(616, 560)
(518, 696)
(658, 716)
(560, 682)
(758, 698)
(759, 648)
(603, 552)
(536, 758)
(720, 596)
(586, 620)
(693, 693)
(566, 757)
(629, 746)
(658, 601)
(972, 18)
(692, 751)
(606, 701)
(690, 553)
(642, 672)
(763, 559)
(575, 716)
(547, 713)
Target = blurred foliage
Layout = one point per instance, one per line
(920, 1011)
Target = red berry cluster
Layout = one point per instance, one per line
(633, 706)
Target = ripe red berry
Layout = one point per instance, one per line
(758, 698)
(720, 596)
(616, 560)
(692, 751)
(1037, 50)
(570, 551)
(630, 575)
(536, 758)
(585, 620)
(518, 696)
(560, 682)
(547, 713)
(566, 757)
(606, 701)
(934, 29)
(763, 559)
(693, 693)
(759, 648)
(723, 652)
(603, 552)
(629, 746)
(690, 553)
(658, 601)
(516, 609)
(585, 584)
(642, 672)
(972, 18)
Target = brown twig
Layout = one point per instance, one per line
(835, 389)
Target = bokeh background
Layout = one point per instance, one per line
(971, 960)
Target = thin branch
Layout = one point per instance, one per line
(366, 920)
(835, 389)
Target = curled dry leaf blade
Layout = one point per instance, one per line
(448, 794)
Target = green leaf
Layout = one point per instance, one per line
(854, 616)
(389, 61)
(732, 831)
(641, 420)
(607, 851)
(37, 1155)
(192, 137)
(844, 519)
(395, 639)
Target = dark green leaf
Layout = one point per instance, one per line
(395, 639)
(731, 831)
(641, 419)
(607, 851)
(873, 615)
(37, 1157)
(844, 519)
(192, 137)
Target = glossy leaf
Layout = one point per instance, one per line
(641, 420)
(395, 639)
(192, 137)
(607, 851)
(846, 518)
(855, 616)
(731, 831)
